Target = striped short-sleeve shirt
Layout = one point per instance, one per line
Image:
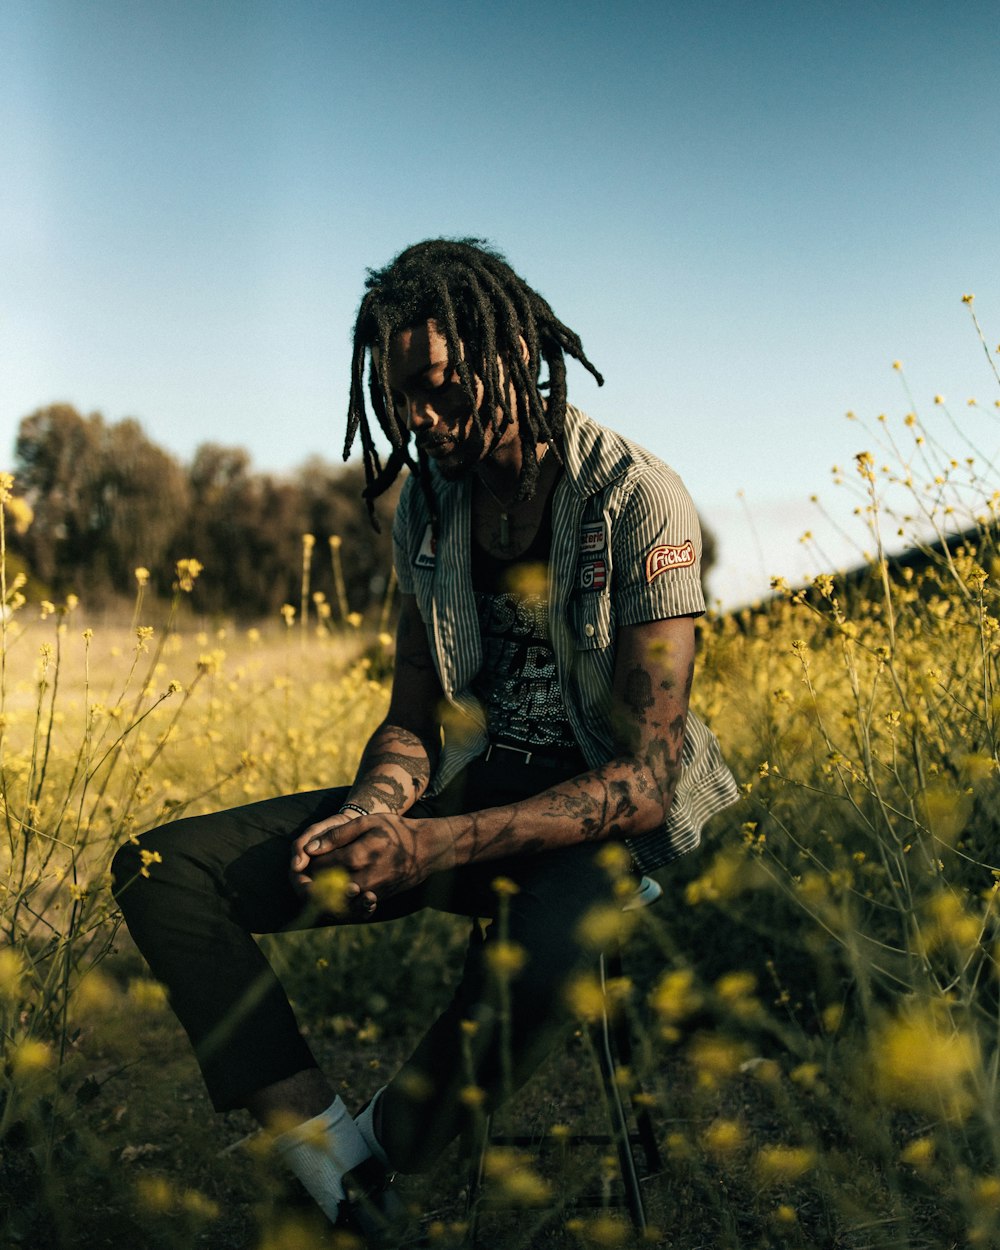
(626, 549)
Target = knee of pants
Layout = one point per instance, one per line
(161, 851)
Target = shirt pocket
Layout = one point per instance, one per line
(590, 619)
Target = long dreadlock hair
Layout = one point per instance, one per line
(485, 311)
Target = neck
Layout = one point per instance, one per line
(501, 473)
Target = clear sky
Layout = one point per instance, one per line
(747, 208)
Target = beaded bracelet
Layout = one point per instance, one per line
(353, 807)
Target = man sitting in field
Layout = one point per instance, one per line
(549, 571)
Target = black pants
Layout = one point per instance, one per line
(224, 877)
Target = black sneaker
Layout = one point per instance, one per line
(373, 1210)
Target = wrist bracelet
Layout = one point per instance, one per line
(352, 807)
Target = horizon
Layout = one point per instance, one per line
(746, 214)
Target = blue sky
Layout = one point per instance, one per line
(747, 211)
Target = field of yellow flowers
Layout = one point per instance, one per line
(816, 997)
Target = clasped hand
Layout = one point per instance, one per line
(382, 854)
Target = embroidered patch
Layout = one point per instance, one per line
(428, 550)
(665, 557)
(594, 575)
(592, 538)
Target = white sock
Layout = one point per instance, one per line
(365, 1120)
(320, 1151)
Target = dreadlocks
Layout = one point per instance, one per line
(485, 311)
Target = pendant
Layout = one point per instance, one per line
(504, 530)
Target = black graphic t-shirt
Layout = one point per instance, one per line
(518, 684)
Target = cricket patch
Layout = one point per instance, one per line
(665, 557)
(428, 550)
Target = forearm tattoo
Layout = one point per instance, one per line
(629, 795)
(394, 772)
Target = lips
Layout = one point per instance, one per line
(435, 444)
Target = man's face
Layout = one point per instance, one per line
(430, 400)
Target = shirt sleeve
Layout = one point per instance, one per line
(400, 540)
(656, 551)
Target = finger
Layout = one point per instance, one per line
(319, 827)
(301, 884)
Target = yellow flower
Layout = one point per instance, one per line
(155, 1193)
(142, 575)
(147, 995)
(675, 997)
(615, 859)
(735, 985)
(187, 573)
(504, 887)
(330, 889)
(950, 925)
(919, 1153)
(775, 1165)
(149, 857)
(602, 924)
(986, 1191)
(584, 996)
(30, 1057)
(724, 1137)
(506, 958)
(20, 513)
(922, 1061)
(11, 973)
(601, 1230)
(199, 1205)
(716, 1058)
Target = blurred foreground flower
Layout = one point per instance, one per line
(330, 889)
(922, 1061)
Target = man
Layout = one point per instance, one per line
(549, 572)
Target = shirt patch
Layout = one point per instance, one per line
(428, 550)
(594, 575)
(592, 538)
(665, 557)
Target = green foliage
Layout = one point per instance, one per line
(106, 500)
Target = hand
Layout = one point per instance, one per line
(302, 869)
(383, 854)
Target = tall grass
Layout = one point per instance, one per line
(815, 999)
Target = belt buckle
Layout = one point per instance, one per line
(502, 746)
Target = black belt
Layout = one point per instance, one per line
(522, 755)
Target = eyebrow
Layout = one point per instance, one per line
(441, 362)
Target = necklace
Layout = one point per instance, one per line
(504, 507)
(504, 514)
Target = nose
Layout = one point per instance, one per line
(419, 415)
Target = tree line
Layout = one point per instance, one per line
(107, 500)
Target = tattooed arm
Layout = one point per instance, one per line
(629, 795)
(397, 763)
